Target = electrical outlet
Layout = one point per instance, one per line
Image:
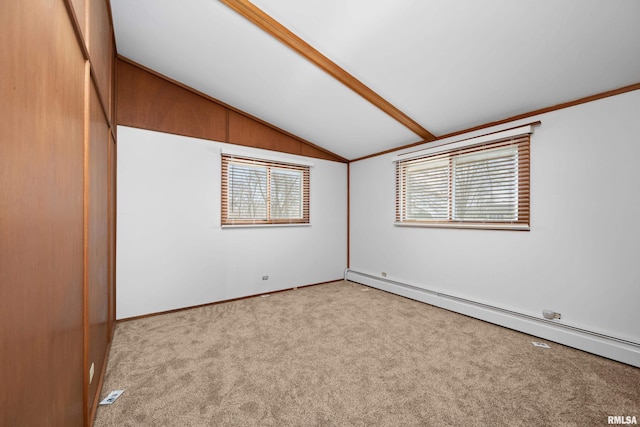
(550, 314)
(265, 277)
(91, 371)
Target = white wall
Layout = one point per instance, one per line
(171, 250)
(582, 255)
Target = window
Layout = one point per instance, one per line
(258, 191)
(474, 185)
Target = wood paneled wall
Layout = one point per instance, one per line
(57, 208)
(97, 245)
(148, 100)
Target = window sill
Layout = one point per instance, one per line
(263, 225)
(474, 226)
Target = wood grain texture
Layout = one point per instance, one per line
(113, 61)
(80, 11)
(112, 89)
(112, 234)
(97, 245)
(244, 131)
(99, 93)
(45, 88)
(148, 100)
(41, 237)
(248, 132)
(280, 32)
(101, 48)
(348, 215)
(85, 231)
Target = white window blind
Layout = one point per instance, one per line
(482, 185)
(256, 191)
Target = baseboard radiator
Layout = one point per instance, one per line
(593, 342)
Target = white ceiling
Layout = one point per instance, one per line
(449, 65)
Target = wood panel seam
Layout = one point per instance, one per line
(229, 107)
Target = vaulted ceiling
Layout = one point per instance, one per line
(373, 75)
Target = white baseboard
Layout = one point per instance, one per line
(592, 342)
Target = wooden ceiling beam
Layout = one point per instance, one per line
(280, 32)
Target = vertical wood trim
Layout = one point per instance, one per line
(103, 104)
(77, 28)
(113, 209)
(98, 244)
(83, 42)
(85, 245)
(87, 26)
(348, 215)
(114, 91)
(226, 128)
(115, 230)
(110, 275)
(100, 379)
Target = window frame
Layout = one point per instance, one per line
(446, 157)
(227, 220)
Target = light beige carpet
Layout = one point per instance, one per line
(342, 354)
